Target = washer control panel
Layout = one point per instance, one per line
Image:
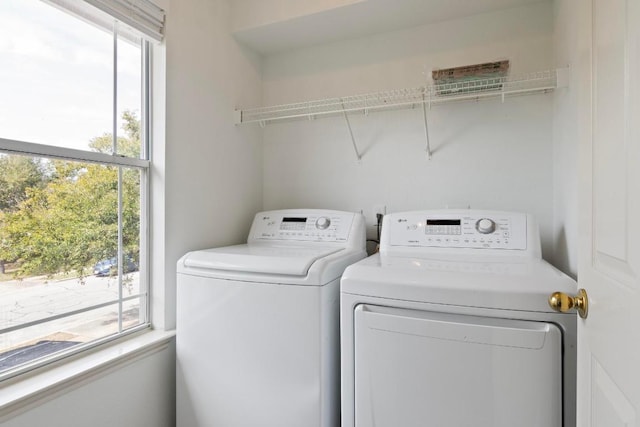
(473, 229)
(325, 226)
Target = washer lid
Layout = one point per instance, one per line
(255, 258)
(508, 283)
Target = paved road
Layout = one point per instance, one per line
(36, 298)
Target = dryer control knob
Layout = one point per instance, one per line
(485, 226)
(323, 223)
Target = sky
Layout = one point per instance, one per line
(56, 76)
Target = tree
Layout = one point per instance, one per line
(72, 221)
(17, 175)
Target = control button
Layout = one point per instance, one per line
(485, 226)
(323, 223)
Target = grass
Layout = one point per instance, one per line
(11, 270)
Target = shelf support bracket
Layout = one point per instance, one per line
(309, 114)
(426, 125)
(353, 140)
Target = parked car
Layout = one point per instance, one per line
(109, 267)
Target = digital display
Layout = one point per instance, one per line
(443, 222)
(294, 219)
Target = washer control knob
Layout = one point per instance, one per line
(323, 223)
(485, 226)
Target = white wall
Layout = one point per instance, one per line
(486, 154)
(566, 135)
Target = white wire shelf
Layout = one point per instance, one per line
(542, 81)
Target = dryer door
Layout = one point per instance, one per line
(415, 368)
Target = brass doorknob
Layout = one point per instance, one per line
(559, 301)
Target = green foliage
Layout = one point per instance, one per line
(17, 174)
(68, 217)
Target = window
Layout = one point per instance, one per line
(73, 180)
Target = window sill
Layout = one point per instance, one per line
(30, 389)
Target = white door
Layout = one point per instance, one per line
(609, 339)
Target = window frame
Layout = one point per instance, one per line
(143, 166)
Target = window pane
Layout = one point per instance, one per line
(56, 77)
(131, 220)
(59, 246)
(129, 96)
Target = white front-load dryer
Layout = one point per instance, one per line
(258, 323)
(449, 326)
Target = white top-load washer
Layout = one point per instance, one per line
(449, 325)
(258, 323)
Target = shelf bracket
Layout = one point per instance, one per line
(426, 125)
(353, 140)
(309, 114)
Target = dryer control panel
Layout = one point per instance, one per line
(302, 225)
(457, 229)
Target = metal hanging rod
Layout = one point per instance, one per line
(542, 81)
